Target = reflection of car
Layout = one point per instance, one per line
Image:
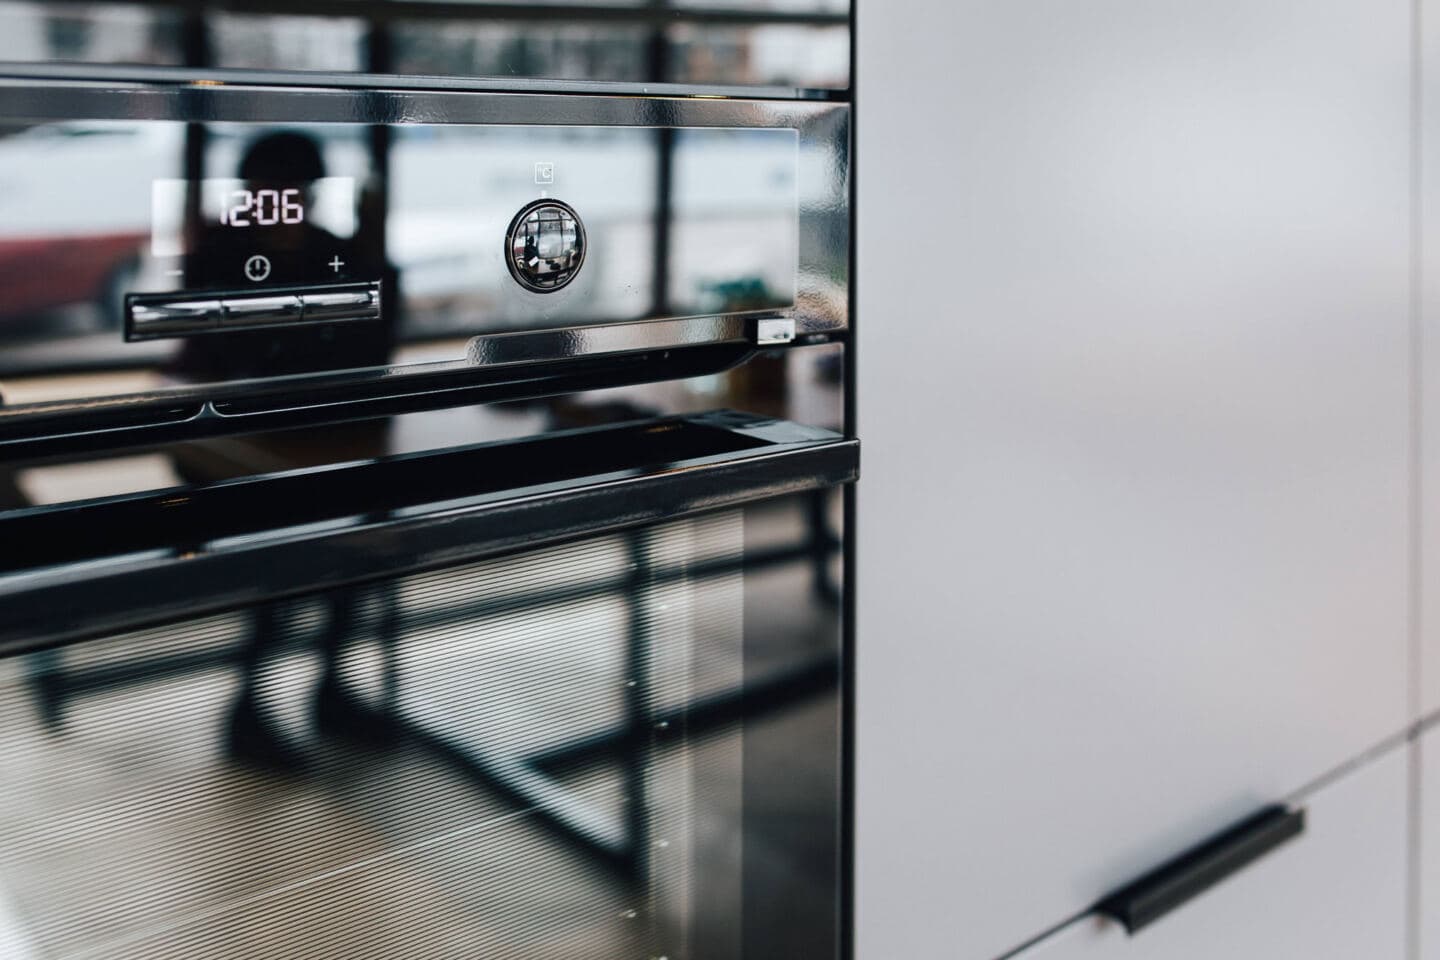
(40, 274)
(82, 246)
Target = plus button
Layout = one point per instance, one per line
(337, 263)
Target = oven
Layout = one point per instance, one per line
(569, 696)
(424, 480)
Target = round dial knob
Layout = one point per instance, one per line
(545, 246)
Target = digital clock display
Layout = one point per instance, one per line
(182, 210)
(262, 208)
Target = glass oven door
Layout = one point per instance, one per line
(573, 697)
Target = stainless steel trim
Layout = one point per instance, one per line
(132, 73)
(209, 100)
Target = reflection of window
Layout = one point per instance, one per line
(572, 51)
(31, 30)
(68, 36)
(800, 54)
(288, 43)
(783, 55)
(802, 43)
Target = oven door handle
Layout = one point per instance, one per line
(120, 564)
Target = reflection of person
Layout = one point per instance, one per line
(299, 253)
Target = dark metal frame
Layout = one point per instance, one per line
(108, 424)
(848, 645)
(654, 12)
(380, 80)
(221, 567)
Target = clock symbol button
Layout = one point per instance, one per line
(257, 268)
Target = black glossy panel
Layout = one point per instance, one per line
(198, 515)
(621, 747)
(731, 210)
(153, 556)
(69, 32)
(801, 385)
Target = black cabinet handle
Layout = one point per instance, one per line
(1200, 868)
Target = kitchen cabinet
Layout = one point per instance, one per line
(1134, 341)
(1336, 890)
(1427, 897)
(1428, 476)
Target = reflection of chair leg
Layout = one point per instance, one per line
(638, 720)
(339, 712)
(389, 628)
(621, 843)
(250, 736)
(46, 671)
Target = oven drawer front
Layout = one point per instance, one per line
(551, 723)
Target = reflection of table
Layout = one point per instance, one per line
(530, 780)
(534, 778)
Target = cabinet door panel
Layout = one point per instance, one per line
(1430, 357)
(1428, 899)
(1337, 890)
(1133, 351)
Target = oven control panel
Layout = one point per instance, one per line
(200, 241)
(153, 316)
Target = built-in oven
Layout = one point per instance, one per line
(424, 497)
(571, 696)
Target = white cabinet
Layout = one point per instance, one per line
(1132, 350)
(1427, 898)
(1336, 892)
(1429, 501)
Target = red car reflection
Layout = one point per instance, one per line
(41, 274)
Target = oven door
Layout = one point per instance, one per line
(399, 709)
